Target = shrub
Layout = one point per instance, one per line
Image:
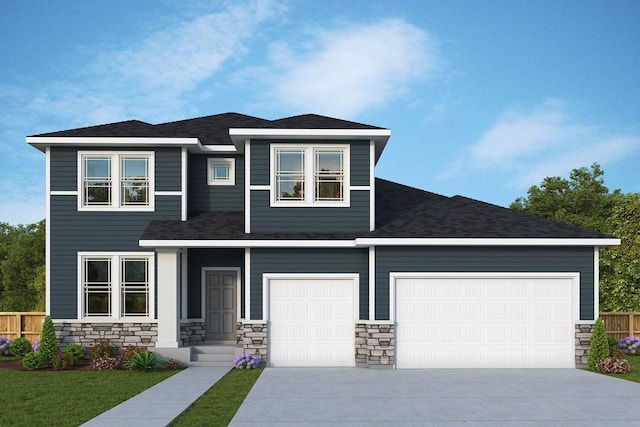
(4, 346)
(143, 361)
(629, 345)
(62, 361)
(599, 348)
(613, 365)
(173, 364)
(48, 345)
(107, 364)
(103, 350)
(33, 360)
(75, 352)
(131, 351)
(246, 361)
(20, 347)
(612, 341)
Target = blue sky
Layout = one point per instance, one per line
(484, 99)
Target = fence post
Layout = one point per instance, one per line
(19, 324)
(631, 324)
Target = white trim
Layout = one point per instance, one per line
(41, 142)
(360, 188)
(248, 243)
(355, 277)
(116, 257)
(372, 185)
(116, 179)
(367, 242)
(105, 320)
(257, 133)
(259, 187)
(247, 186)
(184, 284)
(230, 162)
(63, 192)
(218, 149)
(485, 275)
(372, 283)
(184, 177)
(596, 282)
(168, 193)
(203, 295)
(309, 176)
(247, 285)
(47, 216)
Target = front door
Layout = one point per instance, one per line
(221, 305)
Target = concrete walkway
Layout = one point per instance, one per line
(161, 404)
(367, 397)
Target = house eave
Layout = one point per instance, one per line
(42, 142)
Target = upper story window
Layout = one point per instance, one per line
(122, 181)
(221, 171)
(310, 175)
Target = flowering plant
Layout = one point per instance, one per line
(246, 361)
(4, 346)
(630, 344)
(36, 345)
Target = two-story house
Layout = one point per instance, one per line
(276, 235)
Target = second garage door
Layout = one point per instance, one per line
(311, 321)
(485, 321)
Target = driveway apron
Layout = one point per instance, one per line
(368, 397)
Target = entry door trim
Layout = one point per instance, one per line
(203, 295)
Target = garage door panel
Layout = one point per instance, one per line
(496, 322)
(311, 322)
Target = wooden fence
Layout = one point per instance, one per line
(16, 325)
(620, 325)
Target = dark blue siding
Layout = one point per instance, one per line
(204, 198)
(63, 169)
(199, 258)
(298, 260)
(484, 259)
(347, 219)
(259, 163)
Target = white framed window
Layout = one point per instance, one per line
(116, 285)
(221, 171)
(109, 180)
(309, 175)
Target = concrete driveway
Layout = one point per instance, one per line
(367, 397)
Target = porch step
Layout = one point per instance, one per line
(216, 355)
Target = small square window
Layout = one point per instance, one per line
(221, 171)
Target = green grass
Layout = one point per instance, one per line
(67, 398)
(221, 402)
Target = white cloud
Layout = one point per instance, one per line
(543, 141)
(345, 72)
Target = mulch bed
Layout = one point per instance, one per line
(16, 365)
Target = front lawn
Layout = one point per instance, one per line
(67, 398)
(634, 375)
(221, 402)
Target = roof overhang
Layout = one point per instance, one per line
(368, 242)
(379, 136)
(41, 142)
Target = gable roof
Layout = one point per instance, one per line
(210, 130)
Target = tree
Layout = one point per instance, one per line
(584, 201)
(22, 265)
(599, 348)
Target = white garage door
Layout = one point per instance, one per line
(311, 322)
(483, 321)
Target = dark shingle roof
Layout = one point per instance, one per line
(210, 130)
(401, 212)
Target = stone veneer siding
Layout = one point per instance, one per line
(583, 341)
(253, 338)
(192, 333)
(375, 345)
(122, 335)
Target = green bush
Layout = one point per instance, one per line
(62, 361)
(103, 350)
(612, 341)
(143, 361)
(76, 352)
(48, 344)
(131, 351)
(33, 360)
(599, 348)
(20, 347)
